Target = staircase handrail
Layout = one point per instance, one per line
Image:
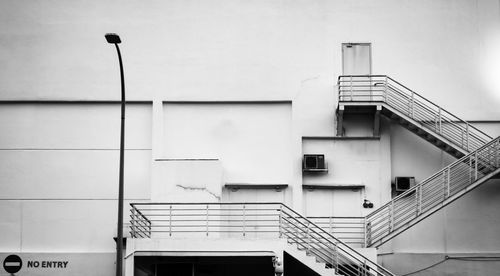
(413, 99)
(442, 109)
(290, 223)
(470, 159)
(330, 237)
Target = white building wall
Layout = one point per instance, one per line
(60, 157)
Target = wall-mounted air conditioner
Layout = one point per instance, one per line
(404, 183)
(314, 163)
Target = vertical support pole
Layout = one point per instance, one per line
(444, 184)
(470, 169)
(280, 221)
(497, 153)
(308, 239)
(391, 216)
(368, 233)
(467, 135)
(376, 121)
(170, 221)
(340, 121)
(440, 121)
(448, 182)
(417, 205)
(351, 88)
(420, 199)
(330, 225)
(244, 221)
(336, 257)
(207, 219)
(475, 166)
(412, 104)
(385, 89)
(132, 222)
(365, 232)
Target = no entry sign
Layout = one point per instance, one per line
(12, 264)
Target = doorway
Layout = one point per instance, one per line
(203, 266)
(333, 203)
(356, 58)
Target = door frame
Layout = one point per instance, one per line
(369, 44)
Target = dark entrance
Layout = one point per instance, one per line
(203, 266)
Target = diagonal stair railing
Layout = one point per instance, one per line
(433, 193)
(479, 163)
(240, 220)
(382, 89)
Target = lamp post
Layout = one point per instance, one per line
(115, 39)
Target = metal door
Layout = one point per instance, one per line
(356, 59)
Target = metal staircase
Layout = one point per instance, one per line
(411, 110)
(250, 221)
(432, 194)
(479, 154)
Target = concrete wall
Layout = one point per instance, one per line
(238, 50)
(251, 141)
(60, 157)
(351, 162)
(59, 167)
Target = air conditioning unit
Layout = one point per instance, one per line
(404, 183)
(314, 163)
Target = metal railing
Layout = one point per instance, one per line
(381, 88)
(276, 220)
(429, 195)
(350, 230)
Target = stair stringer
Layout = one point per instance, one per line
(418, 125)
(307, 260)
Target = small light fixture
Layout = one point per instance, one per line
(367, 204)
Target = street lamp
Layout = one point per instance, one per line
(115, 39)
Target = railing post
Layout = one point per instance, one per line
(412, 105)
(280, 221)
(391, 216)
(336, 252)
(440, 120)
(330, 224)
(244, 221)
(467, 135)
(170, 221)
(470, 169)
(448, 182)
(351, 88)
(132, 222)
(475, 166)
(149, 229)
(419, 199)
(385, 89)
(497, 153)
(207, 219)
(308, 239)
(365, 232)
(444, 184)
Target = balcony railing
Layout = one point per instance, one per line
(350, 230)
(270, 220)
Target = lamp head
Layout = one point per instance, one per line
(112, 38)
